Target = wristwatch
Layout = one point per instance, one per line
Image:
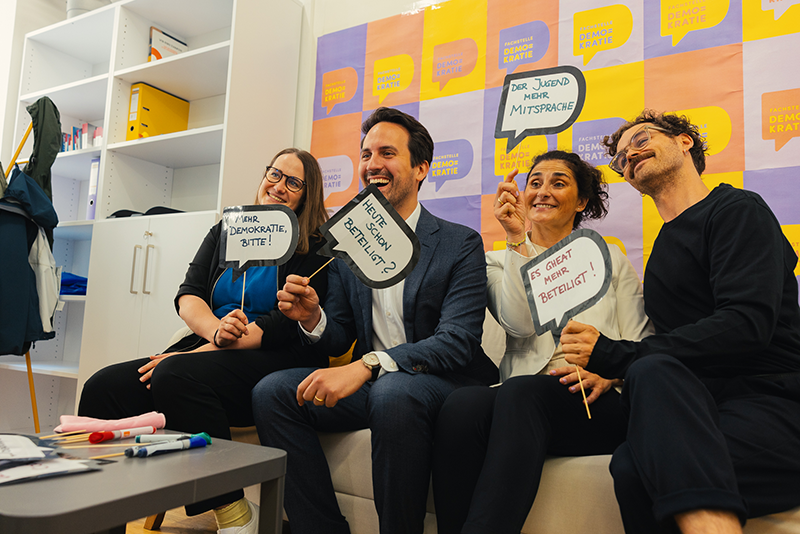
(373, 363)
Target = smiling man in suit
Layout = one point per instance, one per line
(416, 342)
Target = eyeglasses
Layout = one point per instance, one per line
(640, 140)
(293, 183)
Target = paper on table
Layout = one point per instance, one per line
(18, 448)
(47, 468)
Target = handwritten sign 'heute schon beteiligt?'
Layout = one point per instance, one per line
(257, 236)
(566, 279)
(372, 239)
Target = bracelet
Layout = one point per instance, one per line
(214, 341)
(511, 246)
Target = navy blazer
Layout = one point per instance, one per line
(444, 303)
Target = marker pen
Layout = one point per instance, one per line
(99, 437)
(151, 438)
(161, 448)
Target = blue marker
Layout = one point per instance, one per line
(151, 438)
(161, 448)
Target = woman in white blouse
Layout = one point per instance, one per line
(491, 443)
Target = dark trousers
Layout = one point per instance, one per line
(197, 392)
(491, 444)
(399, 408)
(727, 444)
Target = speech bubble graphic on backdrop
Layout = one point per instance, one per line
(779, 6)
(780, 116)
(372, 239)
(604, 28)
(452, 161)
(337, 173)
(257, 236)
(792, 233)
(566, 279)
(587, 139)
(714, 125)
(392, 74)
(338, 86)
(453, 60)
(680, 18)
(526, 43)
(539, 102)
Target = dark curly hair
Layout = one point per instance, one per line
(591, 185)
(673, 125)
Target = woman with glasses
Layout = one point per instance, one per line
(202, 383)
(491, 443)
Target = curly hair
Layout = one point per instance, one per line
(591, 184)
(673, 125)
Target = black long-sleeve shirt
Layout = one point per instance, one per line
(721, 292)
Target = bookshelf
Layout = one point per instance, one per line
(240, 78)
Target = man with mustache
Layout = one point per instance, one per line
(415, 342)
(713, 398)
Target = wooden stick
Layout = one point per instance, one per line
(103, 445)
(318, 270)
(106, 456)
(34, 407)
(19, 149)
(78, 439)
(583, 392)
(64, 434)
(244, 281)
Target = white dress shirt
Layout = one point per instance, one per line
(388, 329)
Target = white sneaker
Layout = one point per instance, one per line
(250, 528)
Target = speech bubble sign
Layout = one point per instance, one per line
(452, 161)
(680, 18)
(392, 74)
(714, 125)
(337, 173)
(338, 86)
(539, 102)
(566, 279)
(779, 6)
(603, 28)
(372, 239)
(780, 116)
(257, 236)
(454, 60)
(526, 43)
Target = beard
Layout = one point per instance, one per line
(658, 174)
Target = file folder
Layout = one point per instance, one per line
(155, 112)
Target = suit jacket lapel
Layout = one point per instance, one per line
(426, 233)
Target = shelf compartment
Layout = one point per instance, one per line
(82, 99)
(193, 75)
(62, 369)
(75, 164)
(189, 148)
(76, 230)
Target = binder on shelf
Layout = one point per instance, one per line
(94, 174)
(164, 45)
(85, 135)
(155, 112)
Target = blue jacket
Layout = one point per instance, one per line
(444, 303)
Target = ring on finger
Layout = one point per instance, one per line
(318, 399)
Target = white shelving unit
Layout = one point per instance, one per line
(239, 75)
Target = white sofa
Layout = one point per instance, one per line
(576, 495)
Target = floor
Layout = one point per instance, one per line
(177, 522)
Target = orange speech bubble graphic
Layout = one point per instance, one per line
(338, 86)
(453, 60)
(780, 116)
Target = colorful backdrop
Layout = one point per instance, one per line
(730, 65)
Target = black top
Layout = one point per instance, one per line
(204, 271)
(721, 292)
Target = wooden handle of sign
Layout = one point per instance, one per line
(19, 149)
(583, 392)
(318, 270)
(106, 456)
(244, 282)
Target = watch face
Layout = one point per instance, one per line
(371, 359)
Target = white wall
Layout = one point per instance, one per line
(18, 17)
(321, 17)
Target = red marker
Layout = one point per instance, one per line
(99, 437)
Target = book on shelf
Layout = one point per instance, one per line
(155, 112)
(164, 45)
(94, 174)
